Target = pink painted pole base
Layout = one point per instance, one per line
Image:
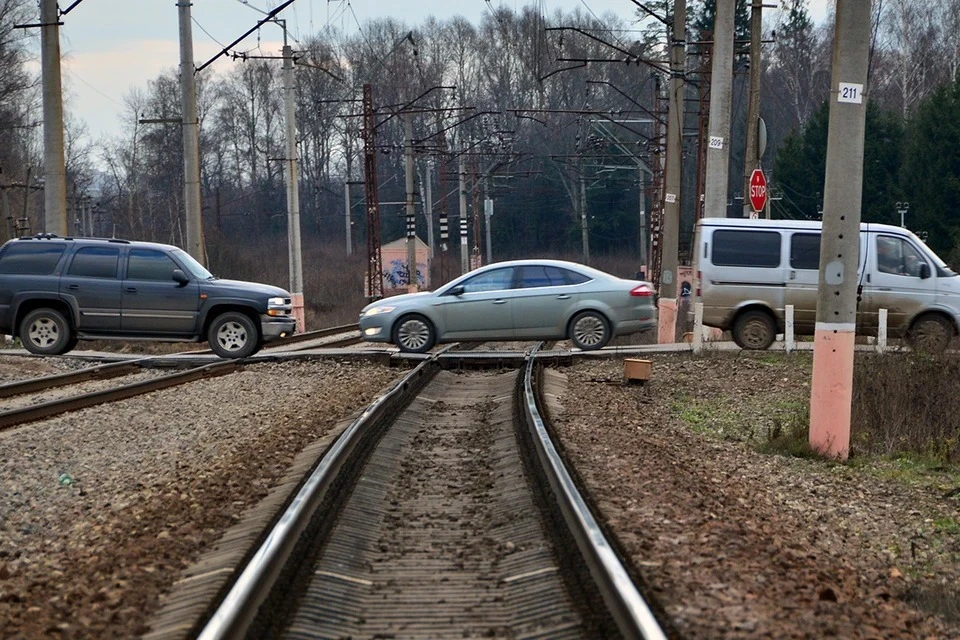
(831, 392)
(667, 321)
(296, 301)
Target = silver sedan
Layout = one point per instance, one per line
(517, 300)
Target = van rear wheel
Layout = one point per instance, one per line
(930, 334)
(754, 330)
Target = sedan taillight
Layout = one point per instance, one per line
(642, 291)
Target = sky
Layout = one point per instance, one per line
(113, 46)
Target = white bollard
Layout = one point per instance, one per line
(882, 331)
(788, 329)
(697, 327)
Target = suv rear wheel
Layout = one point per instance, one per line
(46, 332)
(233, 335)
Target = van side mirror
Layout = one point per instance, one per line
(924, 270)
(180, 277)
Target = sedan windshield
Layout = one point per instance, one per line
(196, 269)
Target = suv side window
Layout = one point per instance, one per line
(95, 262)
(147, 264)
(746, 248)
(31, 258)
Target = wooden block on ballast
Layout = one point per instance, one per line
(636, 370)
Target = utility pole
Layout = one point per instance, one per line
(643, 220)
(831, 389)
(584, 236)
(191, 136)
(752, 153)
(293, 191)
(464, 249)
(669, 252)
(487, 214)
(54, 164)
(346, 205)
(374, 254)
(426, 186)
(721, 85)
(411, 213)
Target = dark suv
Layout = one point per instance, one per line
(55, 291)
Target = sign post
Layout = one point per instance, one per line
(758, 191)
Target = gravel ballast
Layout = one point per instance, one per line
(739, 544)
(101, 509)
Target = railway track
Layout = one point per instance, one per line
(11, 416)
(443, 511)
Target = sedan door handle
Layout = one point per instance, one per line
(130, 290)
(563, 297)
(499, 301)
(73, 287)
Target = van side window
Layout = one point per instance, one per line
(898, 257)
(746, 248)
(805, 251)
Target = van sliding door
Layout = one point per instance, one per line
(803, 276)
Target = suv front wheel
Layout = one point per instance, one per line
(233, 335)
(46, 332)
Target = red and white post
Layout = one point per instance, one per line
(831, 391)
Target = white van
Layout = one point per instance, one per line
(747, 271)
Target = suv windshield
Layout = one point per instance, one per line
(196, 269)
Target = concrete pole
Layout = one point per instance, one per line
(347, 208)
(464, 249)
(721, 91)
(487, 214)
(669, 252)
(831, 389)
(426, 183)
(293, 188)
(191, 137)
(411, 213)
(751, 154)
(643, 222)
(54, 164)
(584, 235)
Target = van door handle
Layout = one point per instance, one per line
(130, 290)
(884, 288)
(73, 287)
(793, 274)
(563, 297)
(499, 301)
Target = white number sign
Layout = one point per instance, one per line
(716, 142)
(850, 92)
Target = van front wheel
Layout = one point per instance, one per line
(754, 330)
(930, 334)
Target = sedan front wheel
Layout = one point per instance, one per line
(414, 334)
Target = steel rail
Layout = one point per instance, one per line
(630, 611)
(100, 372)
(295, 338)
(52, 408)
(238, 609)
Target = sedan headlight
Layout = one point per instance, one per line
(372, 311)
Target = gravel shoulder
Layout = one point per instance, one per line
(739, 544)
(150, 482)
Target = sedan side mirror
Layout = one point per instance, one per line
(180, 277)
(456, 291)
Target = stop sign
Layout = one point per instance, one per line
(758, 190)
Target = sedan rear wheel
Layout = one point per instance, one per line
(589, 330)
(414, 334)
